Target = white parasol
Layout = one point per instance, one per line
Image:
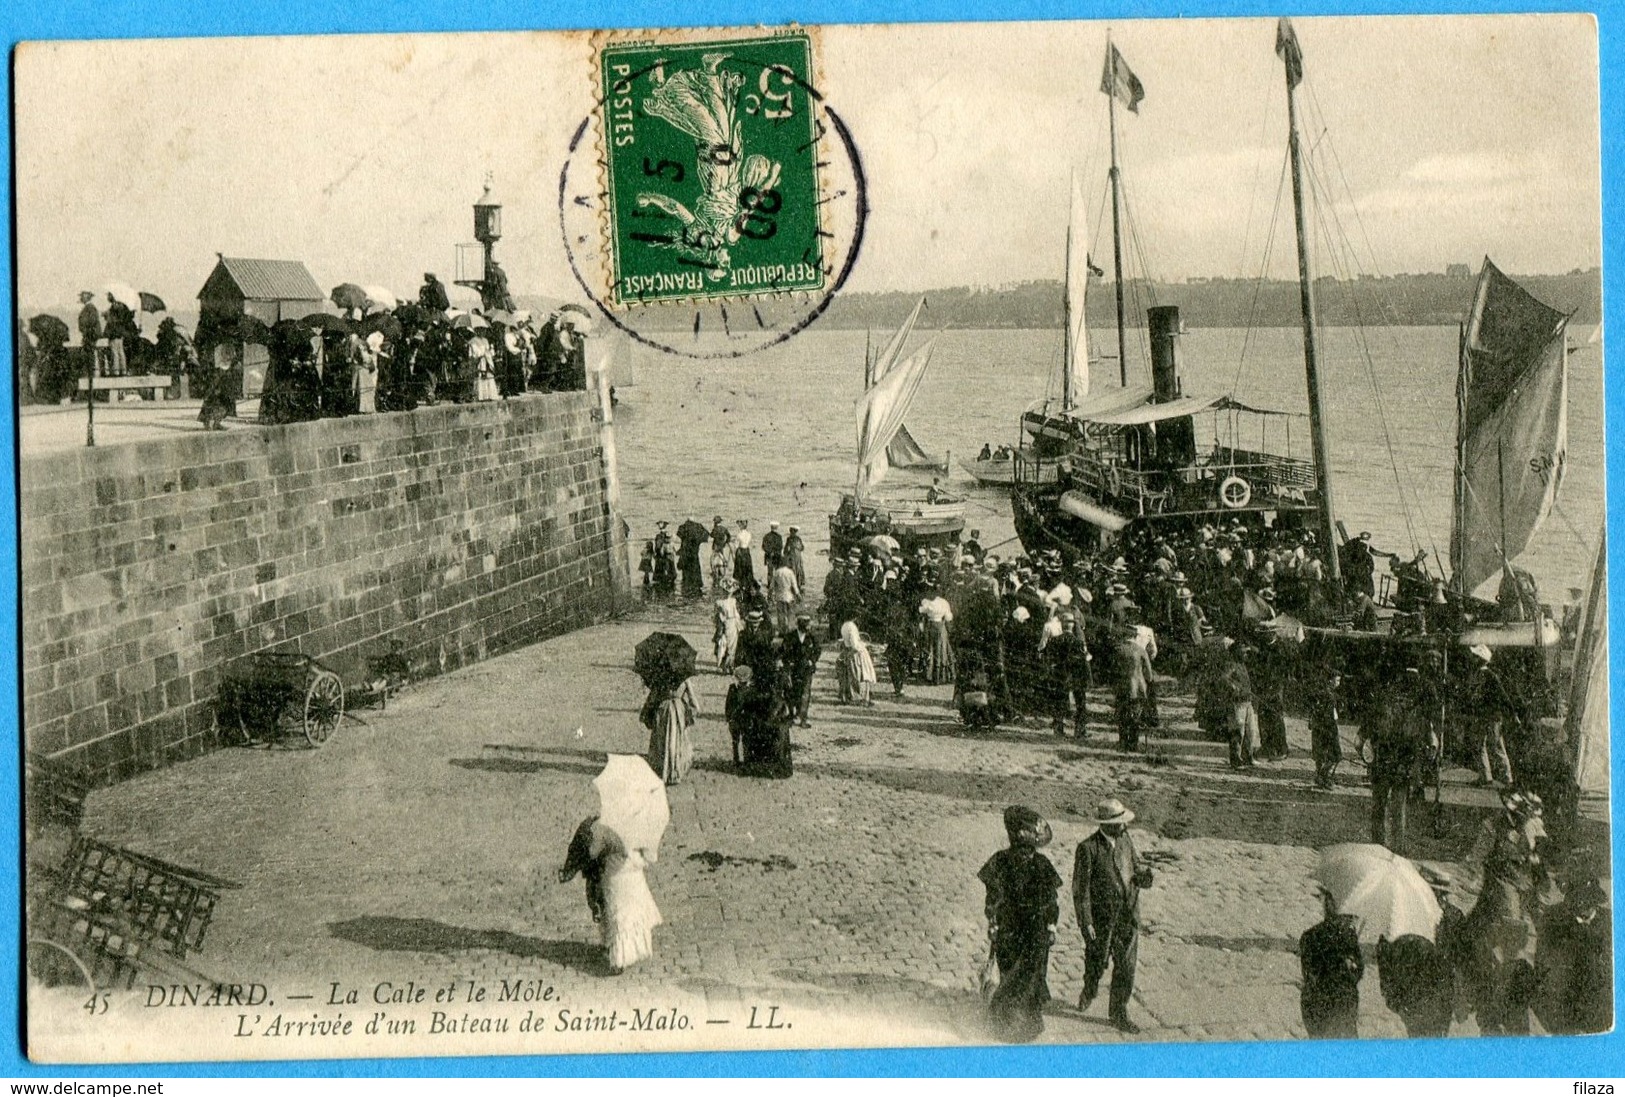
(1382, 889)
(380, 297)
(125, 294)
(632, 802)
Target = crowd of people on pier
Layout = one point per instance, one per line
(372, 356)
(117, 337)
(394, 358)
(1216, 610)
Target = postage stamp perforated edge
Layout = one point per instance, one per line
(608, 268)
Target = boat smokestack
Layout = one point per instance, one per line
(1163, 320)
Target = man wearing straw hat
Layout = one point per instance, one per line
(1106, 881)
(1487, 708)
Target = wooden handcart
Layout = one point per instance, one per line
(276, 696)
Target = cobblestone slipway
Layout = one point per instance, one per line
(419, 846)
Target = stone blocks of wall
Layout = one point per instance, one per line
(151, 571)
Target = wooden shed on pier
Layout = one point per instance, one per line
(243, 297)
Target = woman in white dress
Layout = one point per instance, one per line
(618, 894)
(939, 653)
(854, 669)
(726, 638)
(485, 376)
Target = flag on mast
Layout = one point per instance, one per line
(1120, 82)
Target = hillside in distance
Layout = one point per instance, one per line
(1402, 300)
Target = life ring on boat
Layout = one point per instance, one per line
(1234, 492)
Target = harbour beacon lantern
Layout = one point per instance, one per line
(487, 217)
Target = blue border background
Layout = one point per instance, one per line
(1593, 1057)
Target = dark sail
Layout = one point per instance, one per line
(1512, 391)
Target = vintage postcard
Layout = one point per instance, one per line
(812, 537)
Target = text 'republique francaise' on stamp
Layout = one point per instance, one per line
(714, 203)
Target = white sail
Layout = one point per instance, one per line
(880, 413)
(894, 348)
(1513, 393)
(1587, 722)
(1077, 288)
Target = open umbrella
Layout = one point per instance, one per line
(632, 802)
(49, 329)
(151, 302)
(348, 295)
(471, 321)
(379, 297)
(663, 659)
(124, 294)
(251, 329)
(326, 321)
(1381, 889)
(381, 322)
(577, 317)
(884, 542)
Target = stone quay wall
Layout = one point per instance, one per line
(151, 570)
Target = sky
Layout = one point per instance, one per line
(1435, 140)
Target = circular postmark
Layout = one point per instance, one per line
(713, 204)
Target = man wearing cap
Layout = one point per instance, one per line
(772, 548)
(794, 549)
(972, 546)
(1484, 706)
(799, 652)
(1022, 911)
(1106, 881)
(1136, 688)
(759, 650)
(432, 295)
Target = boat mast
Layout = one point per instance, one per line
(1287, 47)
(1066, 329)
(1457, 548)
(1117, 201)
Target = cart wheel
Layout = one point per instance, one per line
(56, 965)
(324, 706)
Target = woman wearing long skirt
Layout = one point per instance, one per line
(725, 639)
(618, 894)
(939, 653)
(1022, 911)
(668, 714)
(854, 669)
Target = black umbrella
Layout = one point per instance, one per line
(325, 322)
(664, 659)
(151, 302)
(251, 329)
(48, 329)
(348, 295)
(384, 322)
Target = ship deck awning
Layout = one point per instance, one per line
(1181, 408)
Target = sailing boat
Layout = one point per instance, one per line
(1511, 452)
(889, 390)
(1138, 455)
(903, 452)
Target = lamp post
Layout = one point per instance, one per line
(90, 397)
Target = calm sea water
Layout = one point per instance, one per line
(774, 436)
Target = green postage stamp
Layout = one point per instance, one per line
(711, 150)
